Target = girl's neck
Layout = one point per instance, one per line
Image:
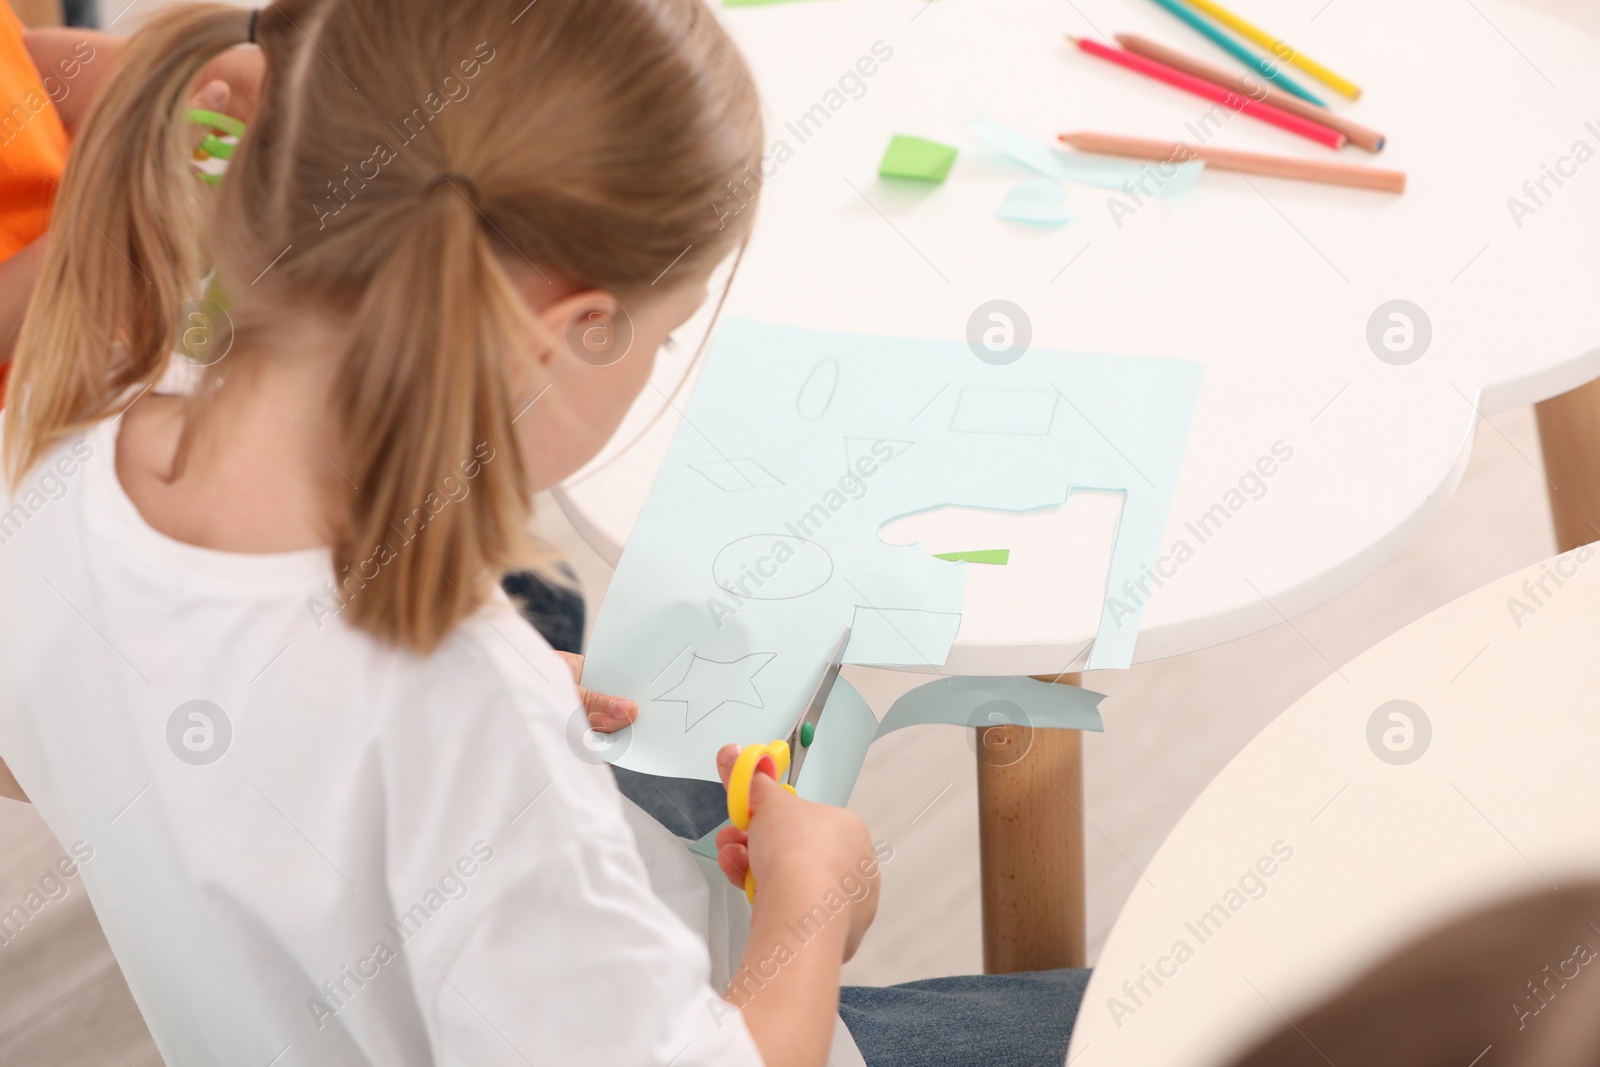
(262, 459)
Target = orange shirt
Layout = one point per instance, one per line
(33, 143)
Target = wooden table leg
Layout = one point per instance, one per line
(1569, 435)
(1030, 831)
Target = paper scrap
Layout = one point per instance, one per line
(848, 728)
(999, 557)
(914, 157)
(840, 746)
(1039, 201)
(726, 604)
(1105, 172)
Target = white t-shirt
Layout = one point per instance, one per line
(304, 844)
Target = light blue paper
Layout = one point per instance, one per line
(1019, 149)
(733, 591)
(1150, 177)
(848, 727)
(1038, 201)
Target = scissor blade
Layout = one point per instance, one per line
(813, 711)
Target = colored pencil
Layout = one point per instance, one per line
(1359, 135)
(1111, 144)
(1281, 49)
(1236, 101)
(1267, 68)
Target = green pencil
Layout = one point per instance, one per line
(1265, 67)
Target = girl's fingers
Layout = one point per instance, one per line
(606, 713)
(725, 757)
(733, 854)
(764, 791)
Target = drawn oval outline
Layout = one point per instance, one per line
(816, 392)
(771, 567)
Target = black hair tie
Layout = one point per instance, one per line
(255, 17)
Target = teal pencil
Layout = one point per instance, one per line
(1265, 67)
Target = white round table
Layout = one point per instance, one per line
(1273, 285)
(1498, 796)
(1269, 283)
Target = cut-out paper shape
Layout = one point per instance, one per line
(737, 475)
(708, 684)
(816, 392)
(1040, 158)
(1105, 172)
(1118, 424)
(997, 557)
(901, 637)
(1020, 412)
(848, 727)
(915, 157)
(772, 566)
(1039, 201)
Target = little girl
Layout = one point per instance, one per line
(256, 671)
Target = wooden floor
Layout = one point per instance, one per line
(1170, 727)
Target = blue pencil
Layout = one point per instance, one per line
(1265, 67)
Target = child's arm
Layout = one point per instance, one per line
(17, 276)
(818, 894)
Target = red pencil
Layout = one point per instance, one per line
(1227, 97)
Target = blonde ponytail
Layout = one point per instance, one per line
(440, 494)
(124, 250)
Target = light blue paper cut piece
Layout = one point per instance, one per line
(848, 727)
(844, 733)
(1040, 201)
(1150, 177)
(721, 574)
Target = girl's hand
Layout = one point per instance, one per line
(807, 850)
(607, 714)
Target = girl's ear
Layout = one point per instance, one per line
(591, 325)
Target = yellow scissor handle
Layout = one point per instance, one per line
(771, 760)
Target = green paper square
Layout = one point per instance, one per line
(913, 157)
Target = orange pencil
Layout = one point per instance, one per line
(1359, 135)
(1111, 144)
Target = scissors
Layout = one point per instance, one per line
(781, 760)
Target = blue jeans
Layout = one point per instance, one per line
(558, 614)
(984, 1020)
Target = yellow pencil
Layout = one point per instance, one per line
(1281, 49)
